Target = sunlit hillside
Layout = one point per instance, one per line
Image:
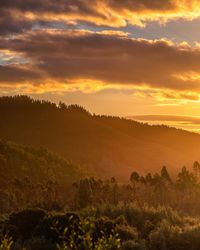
(102, 144)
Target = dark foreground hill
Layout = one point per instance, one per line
(110, 145)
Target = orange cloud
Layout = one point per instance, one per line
(112, 58)
(114, 13)
(108, 58)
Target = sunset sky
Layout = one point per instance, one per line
(119, 57)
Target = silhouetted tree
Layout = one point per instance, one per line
(165, 175)
(196, 168)
(85, 195)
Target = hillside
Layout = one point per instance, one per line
(32, 175)
(18, 161)
(109, 145)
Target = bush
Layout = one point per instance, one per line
(162, 236)
(26, 221)
(35, 244)
(132, 245)
(53, 225)
(126, 232)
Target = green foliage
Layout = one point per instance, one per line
(40, 230)
(6, 243)
(139, 228)
(86, 240)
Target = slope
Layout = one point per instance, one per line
(109, 145)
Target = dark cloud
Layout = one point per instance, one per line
(17, 15)
(9, 24)
(110, 58)
(15, 74)
(87, 8)
(53, 6)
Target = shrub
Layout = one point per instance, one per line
(133, 245)
(36, 244)
(53, 225)
(26, 221)
(126, 232)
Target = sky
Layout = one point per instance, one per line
(126, 58)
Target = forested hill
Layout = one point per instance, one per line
(34, 166)
(110, 145)
(34, 177)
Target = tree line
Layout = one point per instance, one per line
(160, 189)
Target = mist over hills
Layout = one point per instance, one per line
(103, 144)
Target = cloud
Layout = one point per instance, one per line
(43, 49)
(13, 74)
(109, 57)
(181, 96)
(17, 15)
(9, 24)
(167, 118)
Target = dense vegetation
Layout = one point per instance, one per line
(130, 227)
(31, 176)
(106, 144)
(181, 194)
(50, 203)
(152, 212)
